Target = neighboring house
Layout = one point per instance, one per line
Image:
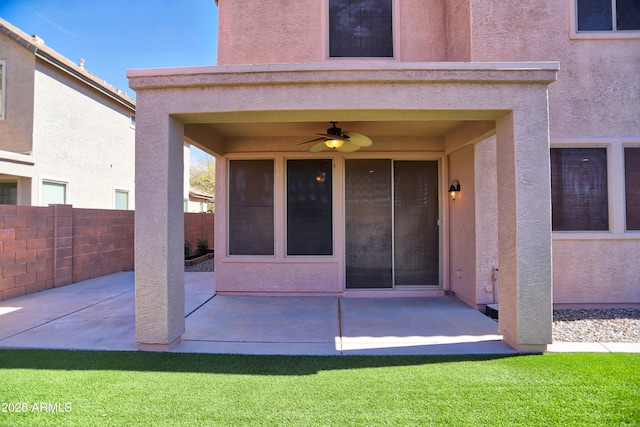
(531, 107)
(195, 200)
(66, 136)
(198, 201)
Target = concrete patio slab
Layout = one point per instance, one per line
(443, 325)
(98, 314)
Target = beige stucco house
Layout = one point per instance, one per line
(530, 107)
(66, 136)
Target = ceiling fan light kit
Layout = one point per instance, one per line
(339, 141)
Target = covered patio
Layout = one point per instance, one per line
(428, 112)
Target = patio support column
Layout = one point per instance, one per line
(524, 223)
(159, 229)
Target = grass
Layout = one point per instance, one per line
(169, 389)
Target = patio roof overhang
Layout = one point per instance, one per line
(289, 102)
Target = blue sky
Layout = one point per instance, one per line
(116, 35)
(113, 36)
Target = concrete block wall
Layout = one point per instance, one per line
(27, 249)
(102, 242)
(198, 226)
(47, 247)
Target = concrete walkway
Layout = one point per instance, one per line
(98, 314)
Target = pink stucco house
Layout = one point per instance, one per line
(531, 107)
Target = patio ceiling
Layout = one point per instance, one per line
(427, 129)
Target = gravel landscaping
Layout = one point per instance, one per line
(595, 325)
(200, 267)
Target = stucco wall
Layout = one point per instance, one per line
(597, 89)
(270, 31)
(16, 128)
(458, 22)
(83, 138)
(462, 226)
(594, 101)
(596, 271)
(422, 30)
(486, 203)
(281, 31)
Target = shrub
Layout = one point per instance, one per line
(203, 247)
(187, 249)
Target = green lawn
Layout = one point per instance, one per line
(155, 389)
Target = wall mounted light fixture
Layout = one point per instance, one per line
(454, 188)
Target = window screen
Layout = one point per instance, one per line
(309, 207)
(8, 193)
(598, 15)
(632, 186)
(579, 195)
(360, 28)
(251, 228)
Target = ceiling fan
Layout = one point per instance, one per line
(339, 141)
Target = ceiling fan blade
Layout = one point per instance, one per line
(313, 140)
(358, 139)
(348, 147)
(318, 147)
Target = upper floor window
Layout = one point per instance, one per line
(2, 88)
(579, 189)
(360, 28)
(608, 15)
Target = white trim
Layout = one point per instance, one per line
(598, 35)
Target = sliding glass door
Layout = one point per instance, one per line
(391, 223)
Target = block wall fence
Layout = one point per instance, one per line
(198, 226)
(48, 247)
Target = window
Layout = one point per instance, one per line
(251, 202)
(54, 193)
(360, 28)
(132, 121)
(8, 193)
(579, 195)
(2, 87)
(632, 186)
(309, 207)
(122, 200)
(608, 15)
